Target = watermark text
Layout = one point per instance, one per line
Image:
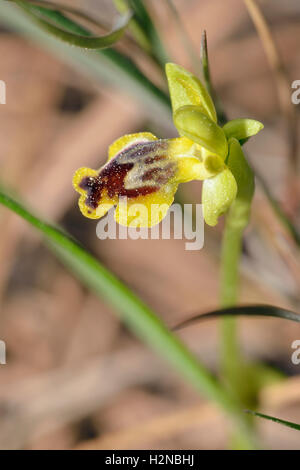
(296, 94)
(295, 358)
(2, 92)
(2, 352)
(181, 222)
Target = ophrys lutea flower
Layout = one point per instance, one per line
(143, 172)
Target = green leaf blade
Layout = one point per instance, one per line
(247, 310)
(288, 424)
(75, 39)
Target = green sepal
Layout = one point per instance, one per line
(191, 122)
(244, 177)
(186, 89)
(242, 129)
(218, 193)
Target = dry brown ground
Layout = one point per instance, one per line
(75, 377)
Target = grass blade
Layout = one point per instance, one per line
(249, 310)
(288, 424)
(35, 13)
(49, 5)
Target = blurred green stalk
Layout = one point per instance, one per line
(143, 30)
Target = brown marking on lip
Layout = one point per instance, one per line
(157, 158)
(159, 175)
(111, 177)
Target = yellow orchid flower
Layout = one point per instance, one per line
(146, 171)
(142, 173)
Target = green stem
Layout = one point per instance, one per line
(235, 223)
(233, 367)
(232, 364)
(231, 252)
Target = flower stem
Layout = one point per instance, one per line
(233, 367)
(232, 363)
(231, 251)
(236, 221)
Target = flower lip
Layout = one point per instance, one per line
(138, 170)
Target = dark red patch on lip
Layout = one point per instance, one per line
(111, 177)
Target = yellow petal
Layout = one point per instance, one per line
(123, 142)
(194, 162)
(80, 181)
(140, 169)
(145, 211)
(218, 193)
(78, 177)
(213, 163)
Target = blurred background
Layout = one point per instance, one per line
(75, 376)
